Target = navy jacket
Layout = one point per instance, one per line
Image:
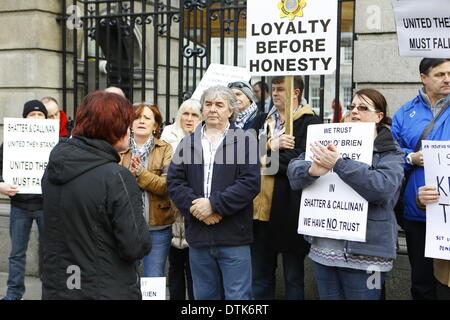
(235, 182)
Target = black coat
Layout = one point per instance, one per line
(93, 224)
(283, 223)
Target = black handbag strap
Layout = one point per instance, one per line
(429, 128)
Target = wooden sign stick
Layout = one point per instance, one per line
(289, 85)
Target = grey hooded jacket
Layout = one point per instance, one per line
(379, 184)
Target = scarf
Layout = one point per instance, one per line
(278, 125)
(143, 152)
(246, 115)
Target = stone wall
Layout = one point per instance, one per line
(377, 63)
(30, 59)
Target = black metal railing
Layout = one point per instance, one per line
(159, 50)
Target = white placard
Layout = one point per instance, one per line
(153, 288)
(291, 37)
(330, 208)
(220, 74)
(26, 148)
(436, 159)
(423, 28)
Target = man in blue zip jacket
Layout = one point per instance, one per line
(212, 180)
(408, 124)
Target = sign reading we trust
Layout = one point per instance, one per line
(423, 28)
(436, 158)
(330, 208)
(291, 37)
(26, 148)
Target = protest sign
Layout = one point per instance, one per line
(423, 28)
(436, 159)
(291, 37)
(26, 148)
(219, 74)
(153, 288)
(329, 207)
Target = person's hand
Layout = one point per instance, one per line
(136, 167)
(417, 158)
(213, 219)
(7, 189)
(427, 195)
(201, 208)
(285, 141)
(317, 170)
(324, 156)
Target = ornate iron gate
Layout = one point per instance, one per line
(159, 50)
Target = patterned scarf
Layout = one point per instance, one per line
(143, 153)
(275, 117)
(246, 115)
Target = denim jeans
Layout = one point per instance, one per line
(336, 283)
(221, 273)
(264, 264)
(155, 261)
(20, 223)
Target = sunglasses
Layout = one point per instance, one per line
(361, 108)
(237, 84)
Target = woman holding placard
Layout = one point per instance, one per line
(348, 269)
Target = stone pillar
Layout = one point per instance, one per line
(377, 63)
(30, 68)
(30, 54)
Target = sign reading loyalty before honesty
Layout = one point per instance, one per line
(220, 74)
(291, 37)
(330, 208)
(423, 28)
(153, 288)
(436, 159)
(26, 148)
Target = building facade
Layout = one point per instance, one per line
(41, 55)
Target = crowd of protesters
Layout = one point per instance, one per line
(217, 195)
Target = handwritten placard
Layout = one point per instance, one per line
(436, 159)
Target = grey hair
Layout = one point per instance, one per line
(190, 103)
(222, 92)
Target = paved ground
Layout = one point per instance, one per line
(32, 287)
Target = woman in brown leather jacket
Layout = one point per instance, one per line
(148, 159)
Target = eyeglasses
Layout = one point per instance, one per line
(361, 108)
